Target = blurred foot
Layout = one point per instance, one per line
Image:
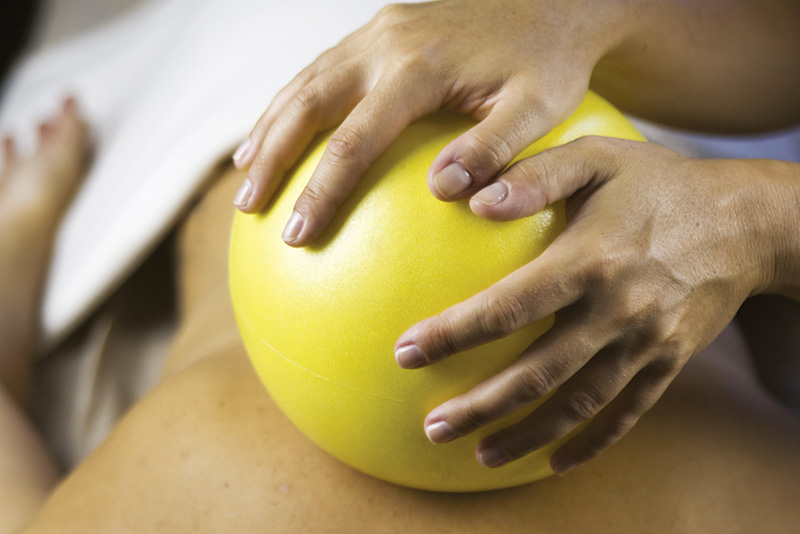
(34, 192)
(41, 185)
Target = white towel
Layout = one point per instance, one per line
(169, 89)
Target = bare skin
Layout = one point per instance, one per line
(519, 68)
(34, 190)
(661, 251)
(647, 273)
(207, 450)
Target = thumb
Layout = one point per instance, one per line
(475, 158)
(533, 183)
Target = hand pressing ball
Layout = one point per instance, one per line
(320, 323)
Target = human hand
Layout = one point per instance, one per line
(519, 67)
(659, 253)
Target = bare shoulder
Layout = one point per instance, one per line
(208, 451)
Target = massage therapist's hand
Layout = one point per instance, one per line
(519, 67)
(659, 253)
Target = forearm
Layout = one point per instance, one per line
(717, 65)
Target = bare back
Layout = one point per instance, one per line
(208, 451)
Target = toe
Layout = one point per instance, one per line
(46, 180)
(45, 130)
(69, 107)
(9, 150)
(72, 130)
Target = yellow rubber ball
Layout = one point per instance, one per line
(320, 323)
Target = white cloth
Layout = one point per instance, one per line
(783, 145)
(168, 89)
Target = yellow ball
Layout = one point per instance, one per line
(320, 323)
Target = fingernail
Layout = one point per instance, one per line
(410, 357)
(493, 194)
(293, 227)
(243, 195)
(493, 457)
(440, 432)
(452, 180)
(562, 466)
(241, 152)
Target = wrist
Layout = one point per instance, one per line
(758, 205)
(784, 187)
(768, 203)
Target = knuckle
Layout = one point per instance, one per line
(473, 415)
(592, 446)
(491, 153)
(530, 439)
(317, 195)
(540, 107)
(309, 72)
(591, 143)
(583, 404)
(390, 11)
(400, 27)
(306, 102)
(502, 314)
(414, 63)
(604, 264)
(531, 382)
(394, 37)
(599, 148)
(669, 332)
(666, 367)
(345, 144)
(537, 173)
(634, 306)
(442, 338)
(617, 427)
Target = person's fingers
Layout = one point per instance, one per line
(247, 151)
(476, 157)
(319, 105)
(533, 183)
(616, 420)
(71, 118)
(244, 155)
(543, 367)
(579, 399)
(364, 135)
(527, 295)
